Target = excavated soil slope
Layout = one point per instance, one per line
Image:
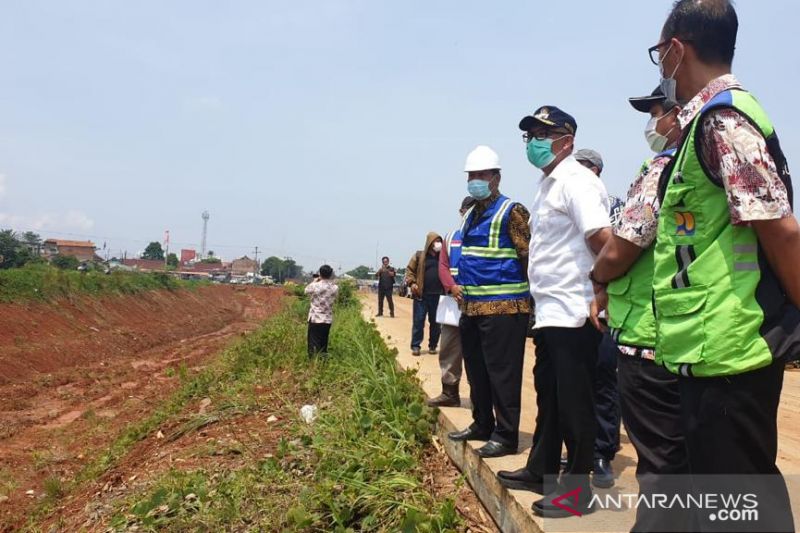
(74, 373)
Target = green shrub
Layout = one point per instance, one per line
(45, 282)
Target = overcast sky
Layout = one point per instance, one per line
(329, 130)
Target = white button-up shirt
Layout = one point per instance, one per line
(569, 207)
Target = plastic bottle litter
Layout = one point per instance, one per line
(309, 413)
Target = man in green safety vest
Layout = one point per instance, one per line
(725, 281)
(649, 394)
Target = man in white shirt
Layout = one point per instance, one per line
(569, 225)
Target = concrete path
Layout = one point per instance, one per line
(511, 508)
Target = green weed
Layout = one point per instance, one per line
(44, 282)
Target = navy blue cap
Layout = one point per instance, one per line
(550, 116)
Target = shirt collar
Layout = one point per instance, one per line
(563, 169)
(714, 87)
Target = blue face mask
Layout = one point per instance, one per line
(478, 189)
(540, 152)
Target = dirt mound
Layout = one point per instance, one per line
(38, 338)
(74, 373)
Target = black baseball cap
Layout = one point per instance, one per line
(644, 103)
(550, 116)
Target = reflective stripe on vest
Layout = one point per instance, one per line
(488, 290)
(453, 243)
(489, 269)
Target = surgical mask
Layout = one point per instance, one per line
(437, 247)
(478, 189)
(540, 152)
(669, 86)
(656, 140)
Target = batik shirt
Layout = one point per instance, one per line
(323, 295)
(735, 153)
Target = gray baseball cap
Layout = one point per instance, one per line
(590, 156)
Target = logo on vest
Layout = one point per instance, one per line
(684, 221)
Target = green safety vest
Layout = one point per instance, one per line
(719, 307)
(630, 298)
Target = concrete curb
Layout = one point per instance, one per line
(507, 511)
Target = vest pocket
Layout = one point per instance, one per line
(680, 318)
(619, 302)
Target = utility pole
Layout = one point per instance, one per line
(258, 269)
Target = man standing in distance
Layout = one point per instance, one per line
(385, 275)
(726, 285)
(493, 283)
(569, 224)
(422, 276)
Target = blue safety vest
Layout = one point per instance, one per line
(488, 267)
(453, 246)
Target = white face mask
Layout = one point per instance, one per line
(655, 140)
(437, 247)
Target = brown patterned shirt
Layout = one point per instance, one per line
(736, 154)
(519, 232)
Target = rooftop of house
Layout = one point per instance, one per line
(74, 244)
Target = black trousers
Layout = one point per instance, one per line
(385, 292)
(564, 374)
(651, 411)
(494, 348)
(318, 338)
(731, 429)
(607, 401)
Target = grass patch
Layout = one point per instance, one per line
(44, 282)
(357, 468)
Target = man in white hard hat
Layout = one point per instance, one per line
(493, 285)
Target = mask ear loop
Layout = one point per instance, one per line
(661, 63)
(565, 135)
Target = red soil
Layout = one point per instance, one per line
(74, 373)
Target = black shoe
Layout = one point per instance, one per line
(603, 474)
(496, 449)
(468, 434)
(448, 398)
(432, 351)
(379, 314)
(391, 315)
(547, 509)
(415, 351)
(521, 480)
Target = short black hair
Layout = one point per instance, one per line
(710, 25)
(384, 258)
(325, 272)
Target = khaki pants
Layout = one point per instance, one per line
(450, 356)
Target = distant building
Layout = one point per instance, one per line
(188, 256)
(80, 250)
(243, 266)
(145, 265)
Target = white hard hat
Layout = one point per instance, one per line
(482, 158)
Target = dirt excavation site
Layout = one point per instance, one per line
(74, 376)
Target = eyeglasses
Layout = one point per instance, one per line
(541, 135)
(655, 51)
